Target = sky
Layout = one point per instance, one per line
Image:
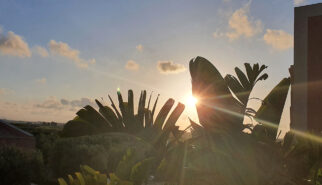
(57, 56)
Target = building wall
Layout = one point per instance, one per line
(12, 136)
(303, 96)
(314, 71)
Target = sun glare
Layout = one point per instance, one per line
(191, 101)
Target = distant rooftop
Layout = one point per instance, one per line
(8, 130)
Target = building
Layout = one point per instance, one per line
(306, 95)
(13, 136)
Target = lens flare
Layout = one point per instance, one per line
(191, 101)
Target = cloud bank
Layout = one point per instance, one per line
(168, 67)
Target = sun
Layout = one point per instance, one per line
(191, 101)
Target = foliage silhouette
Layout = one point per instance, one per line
(88, 121)
(219, 151)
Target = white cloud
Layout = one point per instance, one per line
(242, 25)
(41, 51)
(139, 47)
(132, 65)
(278, 39)
(14, 45)
(168, 67)
(63, 49)
(41, 81)
(299, 2)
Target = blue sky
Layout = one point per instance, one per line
(56, 56)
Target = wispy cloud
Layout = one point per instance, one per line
(53, 102)
(131, 65)
(50, 103)
(52, 108)
(168, 67)
(41, 81)
(139, 47)
(79, 103)
(242, 25)
(14, 45)
(41, 51)
(64, 50)
(278, 39)
(47, 110)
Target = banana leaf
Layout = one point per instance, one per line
(270, 112)
(109, 115)
(159, 121)
(244, 83)
(90, 115)
(216, 108)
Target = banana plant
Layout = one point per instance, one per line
(223, 101)
(270, 112)
(243, 85)
(142, 124)
(89, 176)
(128, 172)
(217, 109)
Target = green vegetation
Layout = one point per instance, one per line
(128, 172)
(223, 154)
(89, 176)
(102, 152)
(136, 148)
(19, 167)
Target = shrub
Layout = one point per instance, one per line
(102, 152)
(20, 167)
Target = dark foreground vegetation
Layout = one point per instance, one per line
(121, 146)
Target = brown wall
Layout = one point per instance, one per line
(314, 72)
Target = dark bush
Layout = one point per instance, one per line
(45, 143)
(18, 167)
(102, 152)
